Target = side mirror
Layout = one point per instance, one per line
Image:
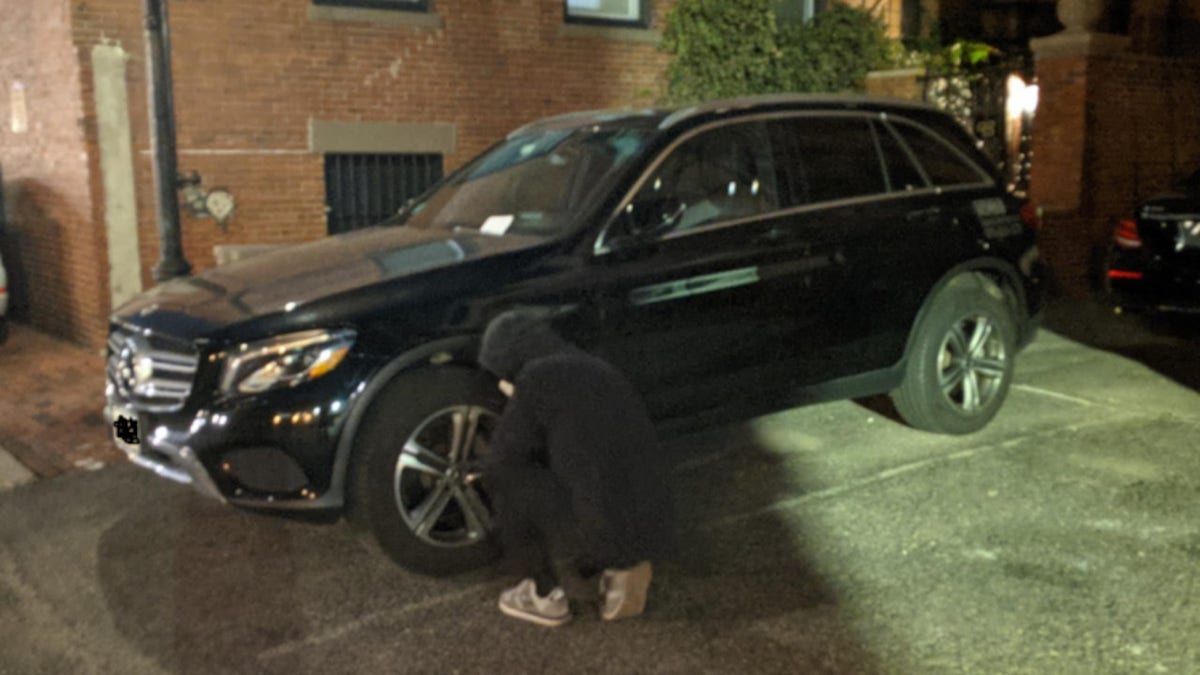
(632, 232)
(623, 245)
(643, 222)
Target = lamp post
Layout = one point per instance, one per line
(162, 142)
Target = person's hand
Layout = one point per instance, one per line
(506, 387)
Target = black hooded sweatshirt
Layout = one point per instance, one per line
(576, 415)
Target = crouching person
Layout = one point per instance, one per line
(574, 474)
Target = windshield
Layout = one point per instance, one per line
(533, 184)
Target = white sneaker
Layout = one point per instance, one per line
(624, 591)
(523, 602)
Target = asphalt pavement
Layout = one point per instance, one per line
(1064, 538)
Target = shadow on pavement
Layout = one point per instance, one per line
(1167, 344)
(743, 570)
(196, 587)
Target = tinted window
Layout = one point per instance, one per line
(720, 174)
(902, 173)
(531, 184)
(942, 164)
(825, 158)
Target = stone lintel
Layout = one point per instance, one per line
(381, 137)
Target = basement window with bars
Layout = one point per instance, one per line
(403, 5)
(365, 190)
(633, 13)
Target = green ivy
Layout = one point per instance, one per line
(721, 48)
(833, 52)
(724, 48)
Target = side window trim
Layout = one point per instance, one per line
(912, 158)
(985, 178)
(600, 246)
(883, 168)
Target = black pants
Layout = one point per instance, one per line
(537, 527)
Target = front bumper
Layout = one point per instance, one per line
(1134, 285)
(164, 452)
(274, 451)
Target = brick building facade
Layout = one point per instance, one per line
(1117, 123)
(263, 91)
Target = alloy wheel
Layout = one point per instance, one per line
(972, 363)
(437, 477)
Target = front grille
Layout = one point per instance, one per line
(148, 371)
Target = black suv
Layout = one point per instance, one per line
(732, 258)
(1154, 260)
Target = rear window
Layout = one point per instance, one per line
(944, 165)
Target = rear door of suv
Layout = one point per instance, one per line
(848, 175)
(930, 225)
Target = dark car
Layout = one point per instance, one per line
(1154, 263)
(732, 258)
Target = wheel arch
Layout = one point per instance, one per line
(458, 350)
(998, 272)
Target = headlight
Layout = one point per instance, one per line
(285, 361)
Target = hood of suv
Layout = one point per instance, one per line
(286, 279)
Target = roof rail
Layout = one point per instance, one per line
(575, 119)
(813, 100)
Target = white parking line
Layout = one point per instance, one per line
(1054, 394)
(888, 474)
(380, 616)
(388, 615)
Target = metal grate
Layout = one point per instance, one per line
(363, 190)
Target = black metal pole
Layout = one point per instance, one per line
(162, 141)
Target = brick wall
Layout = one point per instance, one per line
(51, 246)
(905, 83)
(1110, 131)
(1165, 27)
(248, 76)
(1144, 128)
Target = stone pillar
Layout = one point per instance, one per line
(1059, 177)
(1081, 16)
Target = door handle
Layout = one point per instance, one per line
(773, 236)
(923, 214)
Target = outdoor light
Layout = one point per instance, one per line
(1014, 100)
(1030, 99)
(1021, 98)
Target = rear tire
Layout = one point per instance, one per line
(960, 362)
(415, 479)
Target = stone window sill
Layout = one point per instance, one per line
(619, 33)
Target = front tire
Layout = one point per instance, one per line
(960, 363)
(415, 480)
